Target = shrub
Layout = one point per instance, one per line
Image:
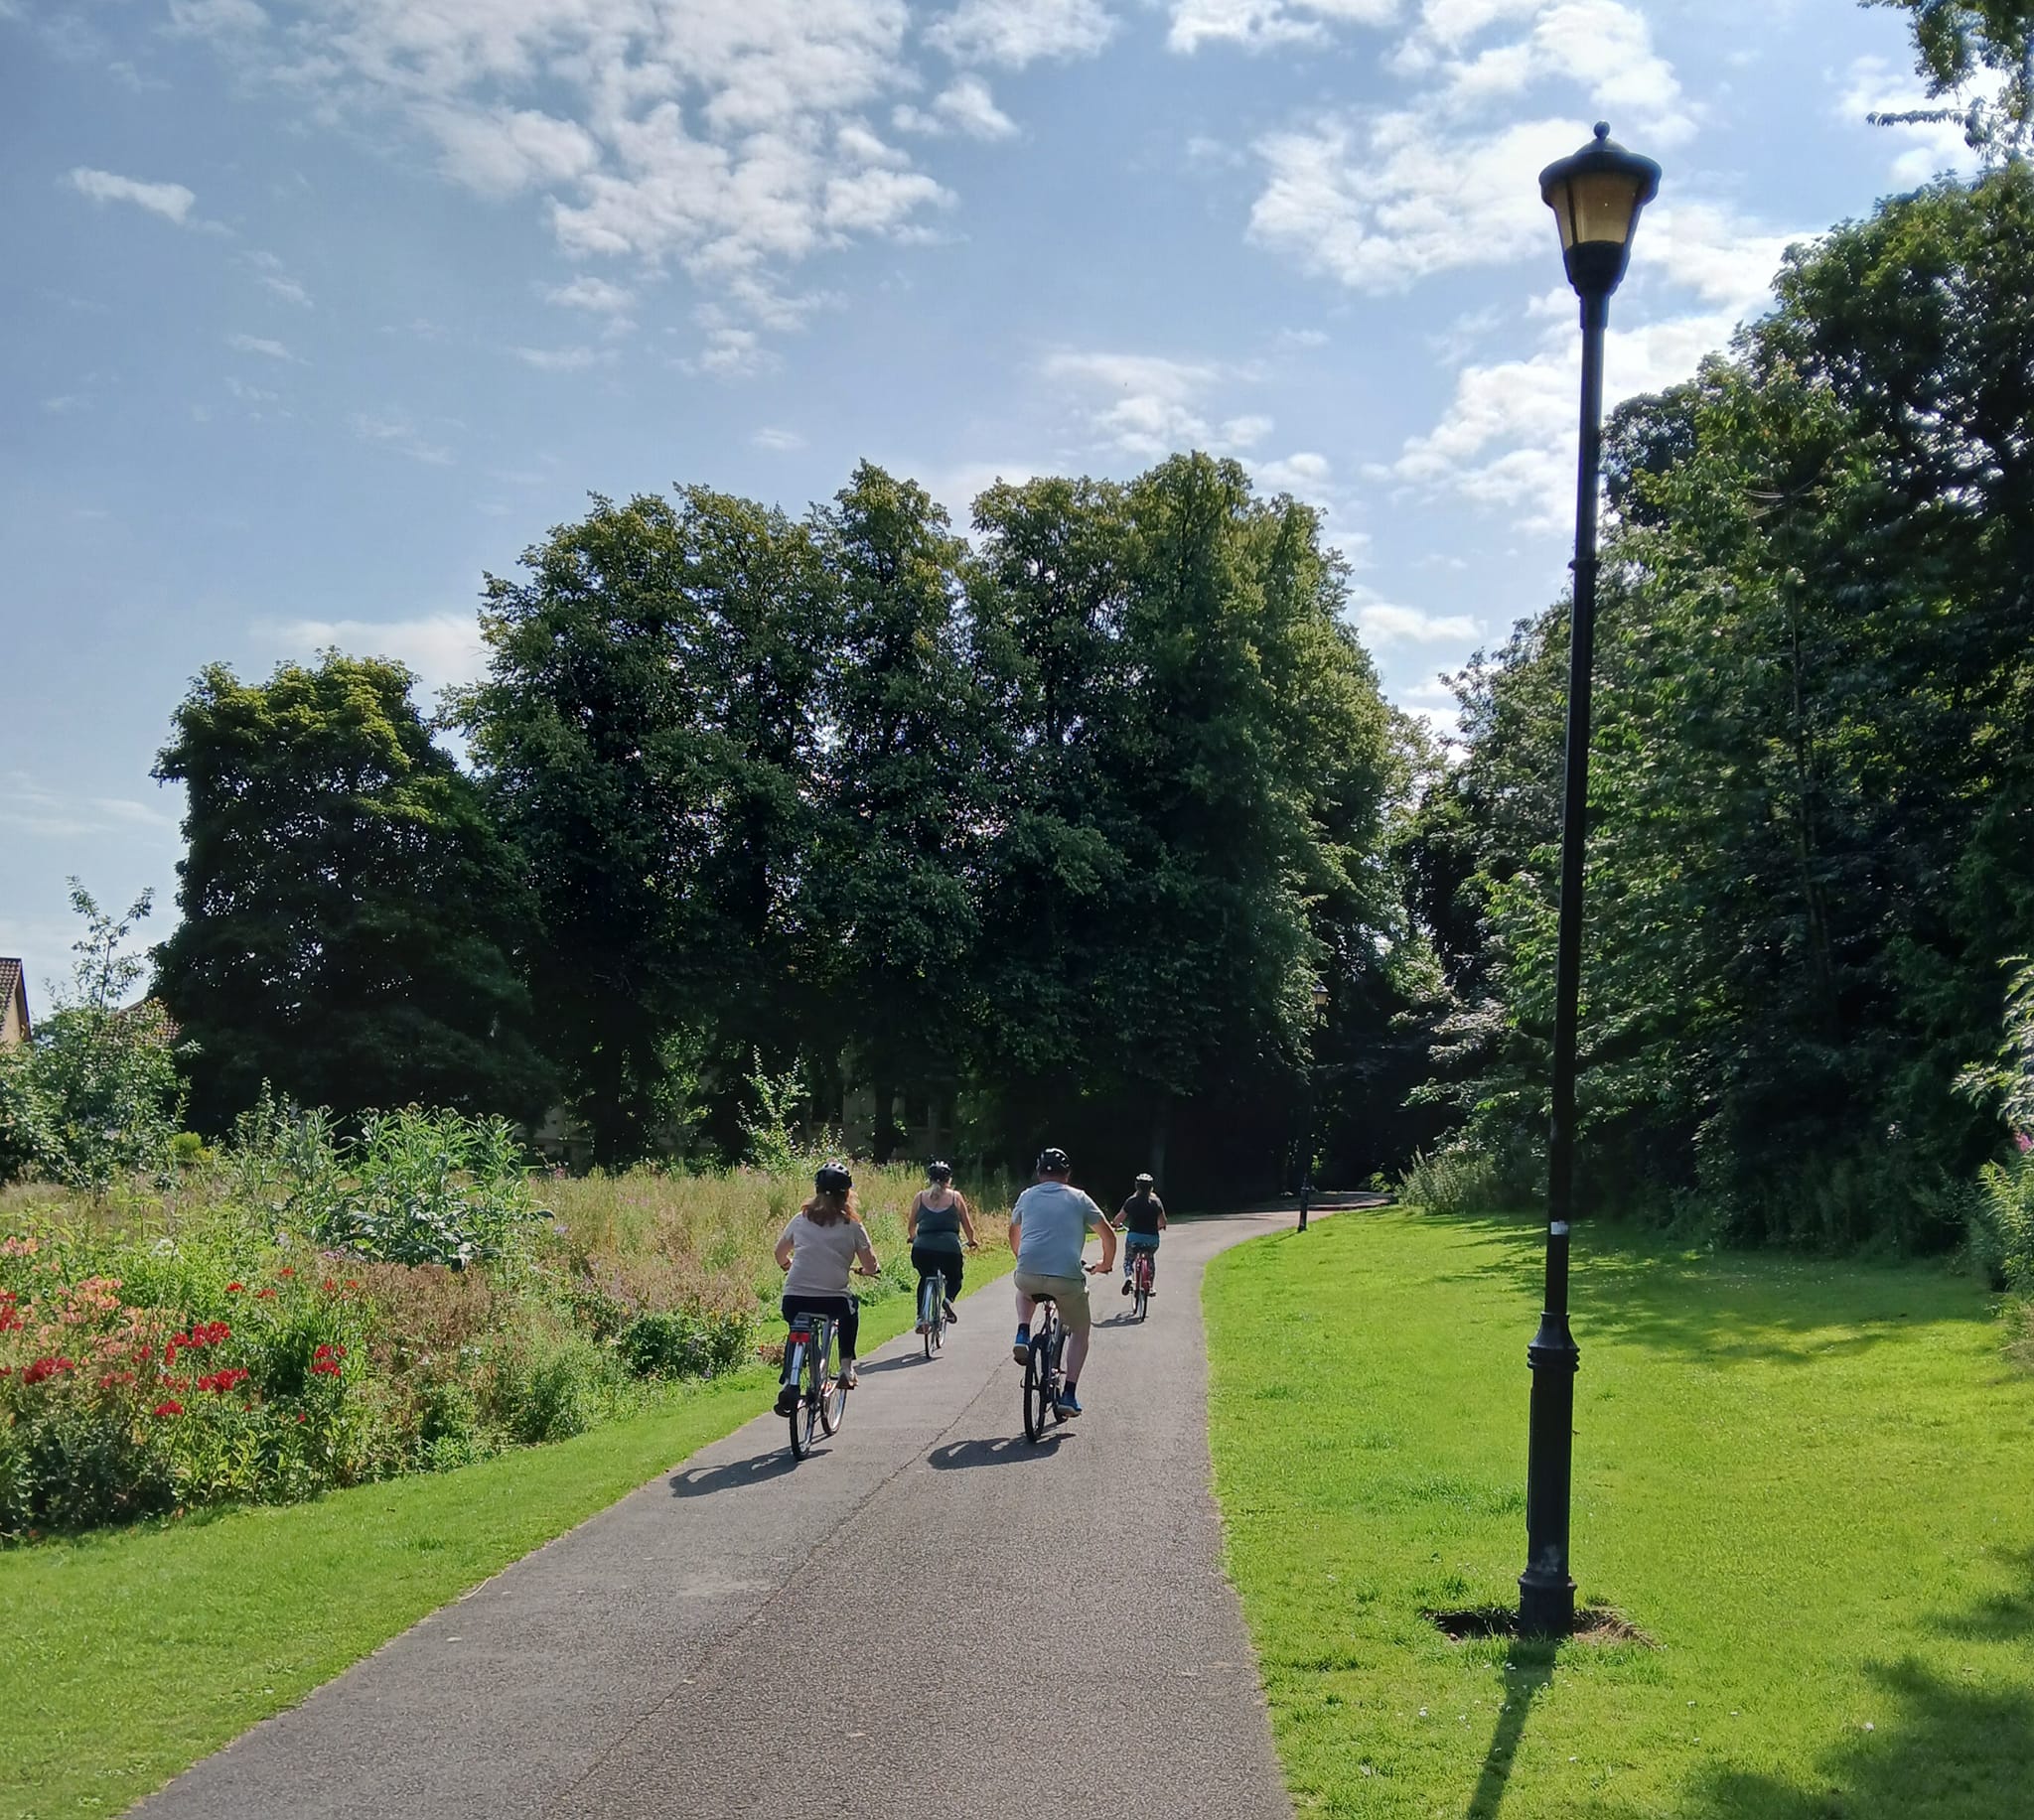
(686, 1344)
(1457, 1180)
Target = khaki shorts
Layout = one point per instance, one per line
(1071, 1293)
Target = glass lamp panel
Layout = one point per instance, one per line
(1603, 204)
(1561, 200)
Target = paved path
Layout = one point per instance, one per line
(928, 1617)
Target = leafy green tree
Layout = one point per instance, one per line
(352, 920)
(1810, 787)
(894, 882)
(647, 735)
(95, 1095)
(1953, 41)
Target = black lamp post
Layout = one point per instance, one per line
(1306, 1162)
(1596, 196)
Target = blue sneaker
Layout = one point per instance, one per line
(1020, 1347)
(1067, 1403)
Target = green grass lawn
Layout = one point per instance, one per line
(1810, 1484)
(131, 1654)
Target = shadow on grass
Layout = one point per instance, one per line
(704, 1481)
(1645, 1288)
(1938, 1752)
(1528, 1673)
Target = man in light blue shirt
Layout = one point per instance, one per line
(1049, 1227)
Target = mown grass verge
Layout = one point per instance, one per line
(132, 1653)
(1810, 1484)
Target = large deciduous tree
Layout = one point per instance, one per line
(352, 919)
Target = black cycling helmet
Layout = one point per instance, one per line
(1051, 1160)
(832, 1178)
(940, 1172)
(1144, 1181)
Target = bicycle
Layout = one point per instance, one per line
(1143, 1265)
(1043, 1368)
(931, 1312)
(811, 1355)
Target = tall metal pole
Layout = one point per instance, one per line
(1546, 1592)
(1306, 1159)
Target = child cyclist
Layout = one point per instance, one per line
(1142, 1218)
(825, 1241)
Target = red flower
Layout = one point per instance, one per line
(44, 1368)
(288, 1270)
(10, 1317)
(330, 1352)
(300, 1416)
(328, 1286)
(223, 1381)
(170, 1408)
(351, 1284)
(263, 1295)
(327, 1369)
(233, 1289)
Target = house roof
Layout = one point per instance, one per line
(14, 985)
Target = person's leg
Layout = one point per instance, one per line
(850, 1317)
(1074, 1310)
(1027, 1304)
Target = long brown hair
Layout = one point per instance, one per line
(830, 1209)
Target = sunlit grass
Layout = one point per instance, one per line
(1811, 1484)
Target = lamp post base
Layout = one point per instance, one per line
(1545, 1608)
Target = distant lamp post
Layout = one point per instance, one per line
(1596, 196)
(1306, 1162)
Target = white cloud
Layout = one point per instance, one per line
(260, 344)
(1602, 45)
(503, 150)
(596, 294)
(729, 136)
(1014, 33)
(215, 17)
(1388, 623)
(170, 200)
(1144, 405)
(289, 290)
(1258, 24)
(392, 430)
(30, 807)
(966, 106)
(778, 441)
(561, 360)
(1304, 475)
(442, 648)
(1378, 204)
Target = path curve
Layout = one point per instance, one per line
(928, 1618)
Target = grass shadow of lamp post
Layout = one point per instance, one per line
(1306, 1160)
(1596, 196)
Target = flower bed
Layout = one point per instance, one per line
(208, 1345)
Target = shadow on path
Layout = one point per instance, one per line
(704, 1481)
(1008, 1450)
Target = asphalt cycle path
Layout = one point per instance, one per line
(928, 1617)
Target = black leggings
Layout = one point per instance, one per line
(926, 1259)
(843, 1311)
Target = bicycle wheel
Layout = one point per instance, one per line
(832, 1389)
(936, 1328)
(925, 1313)
(1035, 1391)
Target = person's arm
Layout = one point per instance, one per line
(1016, 1231)
(966, 1219)
(783, 1250)
(911, 1220)
(1109, 1243)
(1161, 1213)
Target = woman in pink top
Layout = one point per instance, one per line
(824, 1243)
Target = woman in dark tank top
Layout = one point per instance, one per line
(939, 1220)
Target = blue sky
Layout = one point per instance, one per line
(315, 312)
